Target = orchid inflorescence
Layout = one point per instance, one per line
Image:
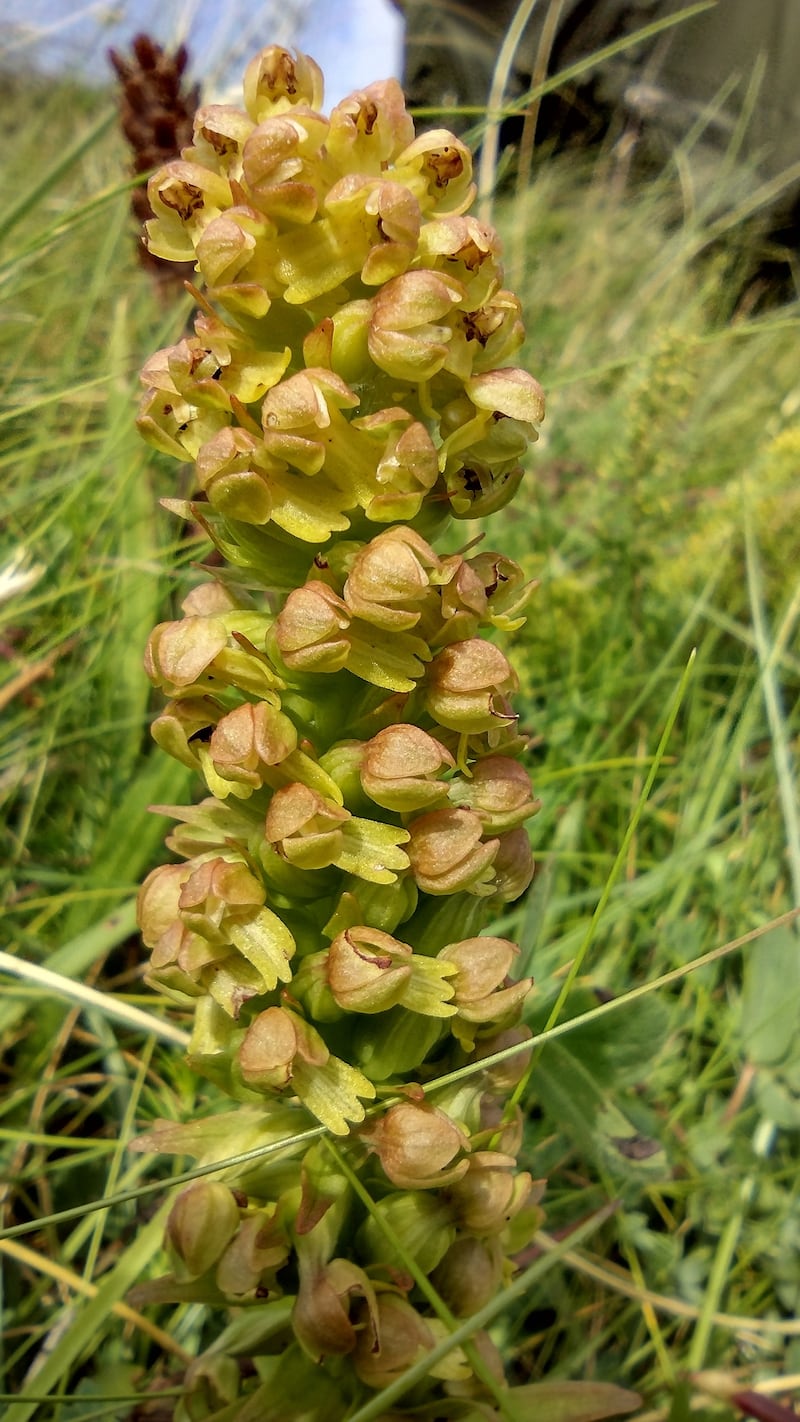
(344, 398)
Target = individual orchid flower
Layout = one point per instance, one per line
(401, 768)
(370, 128)
(280, 1049)
(449, 854)
(419, 1147)
(185, 197)
(369, 971)
(437, 167)
(275, 81)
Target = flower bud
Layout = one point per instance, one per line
(504, 1076)
(448, 854)
(159, 899)
(417, 1145)
(201, 1223)
(173, 962)
(281, 166)
(510, 393)
(465, 683)
(228, 473)
(209, 932)
(312, 831)
(482, 967)
(245, 482)
(401, 767)
(470, 1274)
(303, 424)
(208, 599)
(321, 1314)
(386, 217)
(232, 262)
(295, 416)
(197, 654)
(367, 970)
(403, 1339)
(503, 1124)
(259, 1248)
(179, 654)
(490, 1193)
(271, 1044)
(423, 1221)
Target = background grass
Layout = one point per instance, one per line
(661, 517)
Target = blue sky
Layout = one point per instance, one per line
(354, 41)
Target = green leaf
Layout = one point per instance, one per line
(569, 1401)
(771, 997)
(620, 1051)
(573, 1098)
(110, 1380)
(777, 1102)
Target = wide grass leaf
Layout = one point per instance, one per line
(571, 1095)
(771, 998)
(569, 1402)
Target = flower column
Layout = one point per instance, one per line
(344, 399)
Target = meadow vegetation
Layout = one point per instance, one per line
(660, 669)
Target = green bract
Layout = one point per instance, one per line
(344, 396)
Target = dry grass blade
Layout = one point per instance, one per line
(38, 1264)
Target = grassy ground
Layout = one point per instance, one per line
(660, 668)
